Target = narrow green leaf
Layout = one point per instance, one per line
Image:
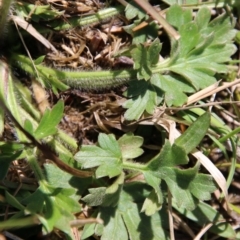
(28, 126)
(6, 159)
(19, 223)
(12, 201)
(39, 60)
(194, 134)
(49, 121)
(204, 214)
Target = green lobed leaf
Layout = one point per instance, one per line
(190, 37)
(133, 10)
(178, 183)
(140, 58)
(89, 229)
(95, 196)
(204, 214)
(200, 53)
(202, 48)
(130, 146)
(108, 163)
(109, 143)
(169, 156)
(144, 57)
(153, 51)
(61, 179)
(151, 204)
(126, 222)
(35, 202)
(147, 100)
(113, 192)
(155, 199)
(175, 91)
(55, 207)
(177, 17)
(202, 186)
(203, 17)
(107, 157)
(185, 185)
(115, 228)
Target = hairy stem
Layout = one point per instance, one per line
(4, 11)
(134, 166)
(95, 80)
(88, 20)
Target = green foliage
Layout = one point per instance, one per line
(37, 12)
(195, 58)
(144, 57)
(132, 10)
(53, 203)
(125, 220)
(130, 209)
(49, 121)
(107, 156)
(187, 186)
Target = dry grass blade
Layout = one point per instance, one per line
(203, 231)
(209, 91)
(31, 30)
(155, 15)
(213, 170)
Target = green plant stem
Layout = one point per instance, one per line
(85, 80)
(134, 166)
(19, 223)
(4, 11)
(88, 20)
(32, 160)
(229, 135)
